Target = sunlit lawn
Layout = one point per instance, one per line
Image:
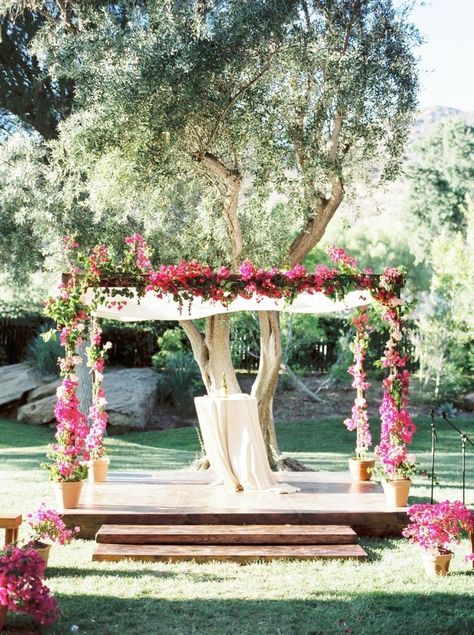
(387, 594)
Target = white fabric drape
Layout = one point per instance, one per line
(149, 307)
(234, 443)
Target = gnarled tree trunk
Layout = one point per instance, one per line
(212, 352)
(266, 381)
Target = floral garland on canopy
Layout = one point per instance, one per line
(99, 270)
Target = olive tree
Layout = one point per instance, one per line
(229, 129)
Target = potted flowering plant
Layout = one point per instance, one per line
(47, 527)
(21, 586)
(434, 528)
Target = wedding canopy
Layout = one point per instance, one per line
(130, 289)
(151, 307)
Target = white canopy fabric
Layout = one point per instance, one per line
(149, 307)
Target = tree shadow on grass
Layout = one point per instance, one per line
(375, 547)
(355, 614)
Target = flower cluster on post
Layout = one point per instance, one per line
(69, 452)
(76, 441)
(48, 525)
(434, 527)
(22, 588)
(359, 419)
(397, 427)
(96, 357)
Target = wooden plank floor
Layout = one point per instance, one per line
(184, 497)
(222, 553)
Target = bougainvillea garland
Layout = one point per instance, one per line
(96, 355)
(68, 453)
(359, 419)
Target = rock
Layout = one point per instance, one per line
(45, 390)
(131, 396)
(15, 381)
(468, 402)
(38, 412)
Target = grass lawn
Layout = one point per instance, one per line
(387, 594)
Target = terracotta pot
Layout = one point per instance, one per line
(43, 550)
(360, 469)
(436, 563)
(396, 492)
(3, 615)
(68, 493)
(98, 469)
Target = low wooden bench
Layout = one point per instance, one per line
(11, 523)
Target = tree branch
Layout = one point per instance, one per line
(237, 95)
(233, 182)
(315, 226)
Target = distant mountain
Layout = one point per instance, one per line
(428, 118)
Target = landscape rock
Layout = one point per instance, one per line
(468, 402)
(15, 381)
(38, 412)
(132, 398)
(45, 390)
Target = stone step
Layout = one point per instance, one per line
(227, 534)
(225, 553)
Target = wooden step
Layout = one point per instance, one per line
(226, 553)
(227, 534)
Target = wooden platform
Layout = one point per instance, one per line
(190, 498)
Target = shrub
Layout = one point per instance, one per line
(181, 380)
(170, 343)
(44, 355)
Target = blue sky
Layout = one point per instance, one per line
(447, 56)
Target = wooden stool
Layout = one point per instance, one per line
(11, 524)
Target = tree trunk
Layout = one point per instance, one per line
(265, 384)
(212, 352)
(264, 388)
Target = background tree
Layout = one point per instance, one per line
(228, 130)
(441, 208)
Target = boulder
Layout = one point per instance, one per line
(132, 397)
(468, 402)
(38, 412)
(15, 381)
(45, 390)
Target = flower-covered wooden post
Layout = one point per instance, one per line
(68, 468)
(361, 465)
(397, 427)
(96, 354)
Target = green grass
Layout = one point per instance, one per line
(387, 594)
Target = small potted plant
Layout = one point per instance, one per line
(361, 465)
(68, 474)
(47, 527)
(99, 463)
(434, 528)
(21, 586)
